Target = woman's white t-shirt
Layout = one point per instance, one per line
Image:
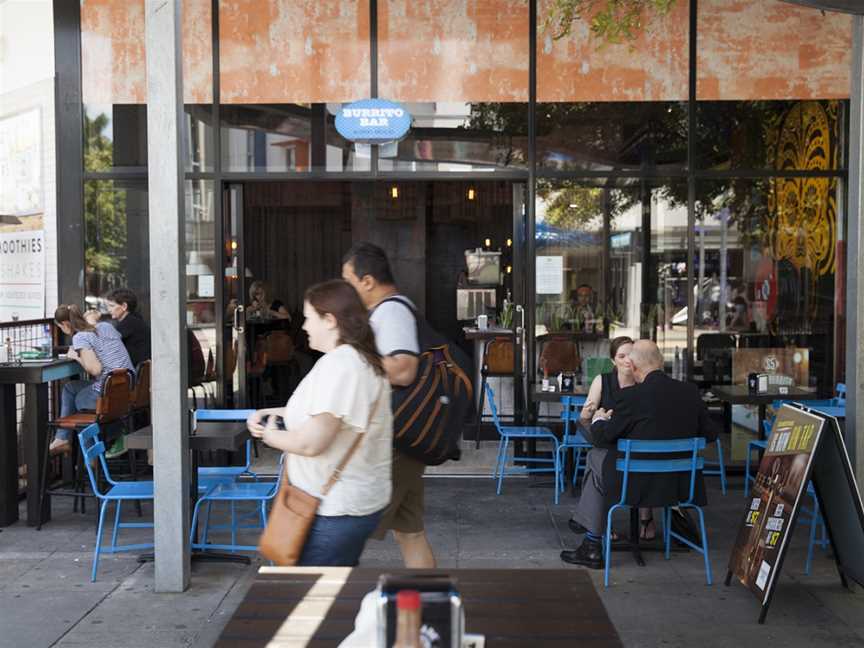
(344, 385)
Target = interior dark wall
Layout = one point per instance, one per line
(295, 235)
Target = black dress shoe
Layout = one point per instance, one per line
(588, 554)
(575, 527)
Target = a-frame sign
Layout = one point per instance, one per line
(805, 446)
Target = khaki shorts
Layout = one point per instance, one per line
(405, 512)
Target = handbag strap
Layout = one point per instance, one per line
(337, 474)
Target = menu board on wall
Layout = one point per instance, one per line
(21, 164)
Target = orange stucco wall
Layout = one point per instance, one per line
(453, 50)
(299, 51)
(112, 52)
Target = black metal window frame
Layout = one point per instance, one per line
(71, 176)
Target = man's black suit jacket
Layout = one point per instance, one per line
(659, 408)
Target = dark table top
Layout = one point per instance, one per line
(473, 333)
(554, 397)
(209, 436)
(740, 395)
(35, 373)
(511, 607)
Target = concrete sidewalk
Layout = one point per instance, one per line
(46, 598)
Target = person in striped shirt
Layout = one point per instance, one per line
(99, 350)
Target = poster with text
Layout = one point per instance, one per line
(22, 276)
(775, 499)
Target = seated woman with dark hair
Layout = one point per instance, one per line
(99, 350)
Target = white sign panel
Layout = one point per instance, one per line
(21, 164)
(550, 275)
(22, 275)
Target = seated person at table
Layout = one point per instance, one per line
(656, 408)
(261, 306)
(604, 392)
(99, 350)
(123, 307)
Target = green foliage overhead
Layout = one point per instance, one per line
(612, 21)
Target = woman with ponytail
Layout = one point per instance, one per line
(99, 350)
(346, 394)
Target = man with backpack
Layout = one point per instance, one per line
(393, 320)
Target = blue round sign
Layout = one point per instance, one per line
(373, 121)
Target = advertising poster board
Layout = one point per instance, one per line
(775, 499)
(805, 446)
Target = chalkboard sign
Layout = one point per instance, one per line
(804, 444)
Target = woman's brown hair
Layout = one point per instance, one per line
(617, 343)
(339, 299)
(72, 314)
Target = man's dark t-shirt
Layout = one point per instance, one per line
(136, 337)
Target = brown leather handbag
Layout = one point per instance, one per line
(294, 511)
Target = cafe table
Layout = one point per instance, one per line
(35, 376)
(731, 395)
(209, 435)
(316, 606)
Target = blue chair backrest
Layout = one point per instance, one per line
(490, 398)
(572, 411)
(840, 398)
(93, 450)
(692, 446)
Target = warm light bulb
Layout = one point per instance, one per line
(471, 193)
(394, 191)
(509, 269)
(233, 245)
(487, 242)
(509, 242)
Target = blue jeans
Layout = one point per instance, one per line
(338, 540)
(77, 396)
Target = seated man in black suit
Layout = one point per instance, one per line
(656, 408)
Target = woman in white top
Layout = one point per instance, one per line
(344, 395)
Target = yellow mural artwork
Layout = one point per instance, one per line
(802, 212)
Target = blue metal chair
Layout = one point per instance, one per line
(572, 439)
(817, 526)
(211, 476)
(692, 464)
(508, 432)
(93, 450)
(233, 492)
(718, 467)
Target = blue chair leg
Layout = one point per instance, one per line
(557, 467)
(607, 547)
(502, 459)
(747, 470)
(194, 524)
(116, 525)
(501, 443)
(233, 525)
(722, 467)
(576, 461)
(102, 507)
(206, 522)
(263, 514)
(667, 527)
(704, 544)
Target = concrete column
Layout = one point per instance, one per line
(168, 299)
(854, 265)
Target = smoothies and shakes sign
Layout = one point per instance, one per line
(22, 275)
(373, 121)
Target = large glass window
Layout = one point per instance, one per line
(116, 252)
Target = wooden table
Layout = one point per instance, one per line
(316, 606)
(731, 395)
(35, 377)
